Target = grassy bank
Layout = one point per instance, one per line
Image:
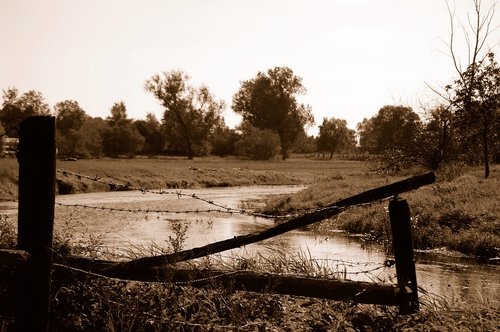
(460, 211)
(182, 173)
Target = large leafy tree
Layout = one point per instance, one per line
(190, 114)
(70, 117)
(269, 101)
(334, 136)
(392, 128)
(16, 108)
(121, 136)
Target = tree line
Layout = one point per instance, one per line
(274, 123)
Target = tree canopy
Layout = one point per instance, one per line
(190, 114)
(16, 108)
(334, 136)
(269, 101)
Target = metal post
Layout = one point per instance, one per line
(37, 166)
(399, 214)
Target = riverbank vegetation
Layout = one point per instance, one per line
(459, 212)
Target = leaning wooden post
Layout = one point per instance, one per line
(37, 172)
(399, 214)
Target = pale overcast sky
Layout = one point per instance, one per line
(354, 56)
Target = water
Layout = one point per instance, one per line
(453, 278)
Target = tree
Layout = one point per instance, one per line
(466, 95)
(223, 141)
(258, 144)
(269, 101)
(476, 101)
(121, 136)
(118, 115)
(190, 114)
(70, 117)
(436, 139)
(150, 129)
(16, 108)
(334, 136)
(392, 128)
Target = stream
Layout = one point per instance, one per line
(455, 279)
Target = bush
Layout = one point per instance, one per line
(259, 144)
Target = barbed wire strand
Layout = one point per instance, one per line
(179, 194)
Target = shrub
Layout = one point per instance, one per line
(259, 144)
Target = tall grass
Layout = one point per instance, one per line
(460, 211)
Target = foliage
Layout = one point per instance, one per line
(121, 137)
(393, 127)
(460, 211)
(70, 118)
(258, 144)
(476, 103)
(16, 108)
(223, 141)
(436, 143)
(190, 114)
(269, 101)
(150, 129)
(334, 136)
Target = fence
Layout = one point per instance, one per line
(37, 173)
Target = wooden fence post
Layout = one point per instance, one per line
(399, 214)
(37, 172)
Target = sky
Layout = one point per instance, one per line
(354, 56)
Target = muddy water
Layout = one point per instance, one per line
(456, 279)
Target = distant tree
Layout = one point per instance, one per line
(150, 129)
(16, 108)
(334, 136)
(305, 143)
(435, 144)
(118, 115)
(69, 116)
(121, 136)
(269, 101)
(69, 119)
(258, 144)
(91, 137)
(190, 114)
(392, 128)
(223, 141)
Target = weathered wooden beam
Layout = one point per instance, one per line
(124, 268)
(339, 290)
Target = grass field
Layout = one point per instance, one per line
(183, 173)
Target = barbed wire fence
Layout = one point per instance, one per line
(343, 268)
(338, 269)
